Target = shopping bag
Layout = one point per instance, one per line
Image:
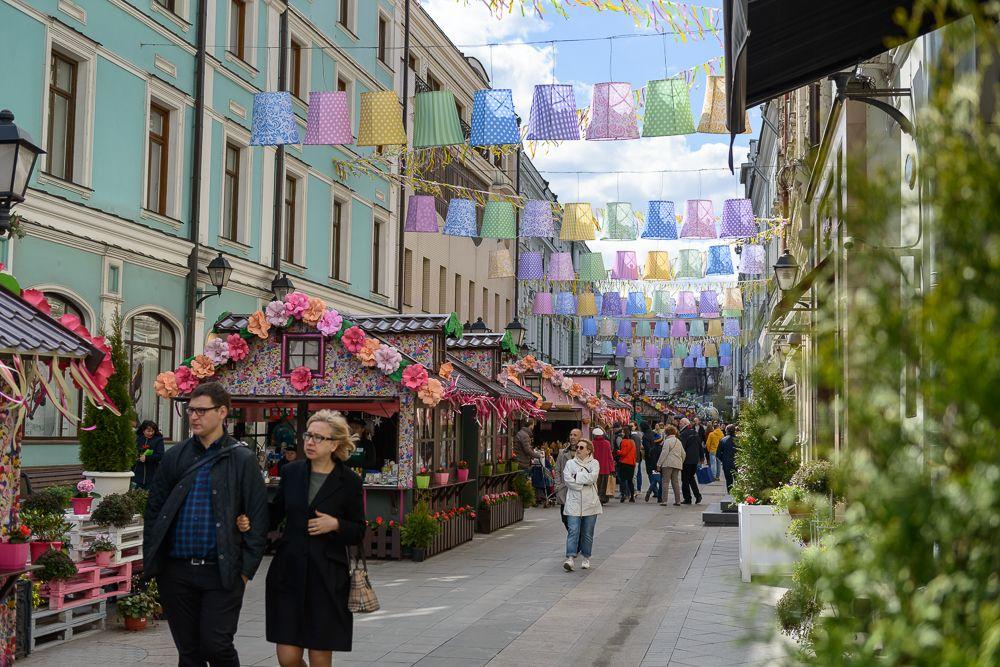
(705, 475)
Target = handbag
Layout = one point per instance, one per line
(705, 475)
(362, 598)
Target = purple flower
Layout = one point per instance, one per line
(276, 314)
(217, 350)
(330, 323)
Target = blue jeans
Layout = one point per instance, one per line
(638, 476)
(715, 464)
(580, 539)
(656, 486)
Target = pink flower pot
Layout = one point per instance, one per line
(14, 556)
(81, 505)
(38, 548)
(441, 478)
(463, 474)
(103, 558)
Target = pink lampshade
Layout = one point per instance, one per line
(421, 215)
(543, 304)
(561, 266)
(626, 266)
(686, 304)
(678, 329)
(699, 223)
(612, 113)
(329, 120)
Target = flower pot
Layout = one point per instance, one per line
(109, 482)
(103, 558)
(486, 470)
(81, 505)
(463, 474)
(14, 556)
(441, 478)
(423, 481)
(417, 554)
(39, 547)
(134, 624)
(765, 547)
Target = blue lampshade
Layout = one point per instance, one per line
(666, 352)
(607, 348)
(273, 120)
(725, 349)
(494, 122)
(731, 327)
(699, 362)
(642, 329)
(565, 303)
(661, 221)
(621, 349)
(688, 362)
(636, 304)
(695, 350)
(720, 261)
(624, 329)
(725, 361)
(611, 305)
(664, 363)
(589, 326)
(662, 329)
(461, 218)
(640, 362)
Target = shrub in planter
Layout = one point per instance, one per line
(814, 476)
(56, 566)
(138, 497)
(115, 510)
(136, 609)
(524, 489)
(52, 500)
(419, 529)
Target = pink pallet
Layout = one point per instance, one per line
(89, 585)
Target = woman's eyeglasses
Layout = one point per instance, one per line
(316, 437)
(582, 447)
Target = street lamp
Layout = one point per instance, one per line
(219, 271)
(479, 326)
(516, 331)
(628, 385)
(282, 286)
(786, 270)
(17, 160)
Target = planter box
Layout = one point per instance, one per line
(455, 531)
(764, 546)
(501, 515)
(382, 543)
(53, 627)
(127, 540)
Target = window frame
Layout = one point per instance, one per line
(380, 244)
(241, 45)
(164, 141)
(336, 238)
(425, 284)
(290, 214)
(321, 357)
(67, 43)
(295, 68)
(128, 338)
(457, 294)
(300, 173)
(232, 224)
(383, 38)
(442, 289)
(407, 277)
(347, 16)
(69, 150)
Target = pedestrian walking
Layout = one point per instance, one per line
(652, 456)
(582, 504)
(626, 469)
(712, 444)
(638, 440)
(565, 455)
(692, 456)
(149, 448)
(726, 455)
(602, 452)
(191, 542)
(671, 462)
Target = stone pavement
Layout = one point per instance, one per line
(663, 590)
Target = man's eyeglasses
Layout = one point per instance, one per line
(199, 411)
(316, 437)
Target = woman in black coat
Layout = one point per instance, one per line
(308, 581)
(149, 451)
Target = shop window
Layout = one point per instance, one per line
(152, 349)
(302, 350)
(448, 449)
(423, 435)
(47, 421)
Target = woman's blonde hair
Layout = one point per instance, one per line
(670, 430)
(339, 431)
(590, 445)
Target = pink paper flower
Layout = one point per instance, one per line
(330, 322)
(296, 303)
(366, 355)
(315, 311)
(387, 359)
(353, 339)
(415, 376)
(258, 325)
(186, 381)
(567, 384)
(202, 367)
(37, 299)
(276, 313)
(217, 350)
(431, 393)
(557, 378)
(166, 385)
(301, 378)
(238, 348)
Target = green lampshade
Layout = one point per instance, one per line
(436, 120)
(592, 267)
(499, 221)
(668, 108)
(642, 329)
(623, 225)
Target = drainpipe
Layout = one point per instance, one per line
(279, 160)
(401, 222)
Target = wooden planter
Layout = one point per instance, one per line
(382, 542)
(454, 531)
(495, 517)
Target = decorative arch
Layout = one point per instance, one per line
(153, 345)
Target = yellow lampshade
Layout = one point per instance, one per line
(713, 111)
(381, 122)
(501, 265)
(732, 299)
(586, 305)
(578, 223)
(714, 329)
(657, 265)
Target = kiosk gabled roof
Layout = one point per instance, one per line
(26, 330)
(476, 340)
(405, 323)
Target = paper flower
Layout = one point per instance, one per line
(301, 378)
(575, 389)
(548, 371)
(432, 392)
(593, 402)
(415, 376)
(366, 355)
(106, 368)
(353, 339)
(296, 303)
(529, 362)
(238, 348)
(276, 313)
(387, 359)
(217, 350)
(330, 322)
(37, 299)
(446, 369)
(186, 381)
(166, 385)
(567, 384)
(557, 378)
(202, 367)
(258, 325)
(314, 312)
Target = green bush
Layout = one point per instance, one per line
(116, 509)
(46, 526)
(138, 498)
(52, 500)
(524, 489)
(814, 476)
(56, 565)
(140, 605)
(419, 528)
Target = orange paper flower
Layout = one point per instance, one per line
(166, 385)
(258, 325)
(366, 355)
(315, 311)
(576, 389)
(548, 372)
(530, 361)
(431, 393)
(446, 369)
(202, 367)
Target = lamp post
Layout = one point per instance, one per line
(479, 326)
(219, 271)
(516, 331)
(282, 286)
(786, 270)
(18, 155)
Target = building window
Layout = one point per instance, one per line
(472, 300)
(486, 305)
(414, 64)
(344, 17)
(510, 313)
(458, 295)
(62, 115)
(383, 39)
(302, 350)
(47, 421)
(425, 286)
(238, 29)
(337, 240)
(432, 82)
(290, 233)
(378, 241)
(157, 168)
(151, 348)
(169, 5)
(423, 436)
(231, 193)
(407, 277)
(448, 453)
(295, 70)
(497, 325)
(114, 278)
(442, 289)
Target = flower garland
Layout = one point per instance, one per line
(280, 314)
(513, 372)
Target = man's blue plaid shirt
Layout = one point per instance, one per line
(194, 528)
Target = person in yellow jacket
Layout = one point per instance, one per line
(712, 445)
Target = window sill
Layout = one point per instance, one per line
(158, 217)
(292, 266)
(49, 179)
(234, 245)
(338, 283)
(170, 16)
(242, 64)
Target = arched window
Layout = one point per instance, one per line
(47, 422)
(151, 348)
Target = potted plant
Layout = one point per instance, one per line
(104, 549)
(500, 466)
(83, 497)
(136, 610)
(107, 441)
(56, 566)
(486, 469)
(116, 509)
(441, 476)
(14, 551)
(423, 478)
(419, 530)
(463, 471)
(52, 500)
(48, 529)
(137, 498)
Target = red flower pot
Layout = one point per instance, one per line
(103, 558)
(38, 548)
(134, 624)
(463, 474)
(13, 556)
(81, 505)
(441, 478)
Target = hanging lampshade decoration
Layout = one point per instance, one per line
(725, 362)
(657, 266)
(529, 266)
(640, 362)
(273, 120)
(565, 303)
(720, 261)
(629, 361)
(696, 328)
(421, 214)
(678, 329)
(612, 113)
(661, 221)
(501, 264)
(715, 328)
(699, 362)
(536, 219)
(737, 219)
(686, 306)
(626, 266)
(588, 326)
(681, 350)
(708, 303)
(607, 326)
(712, 362)
(621, 349)
(689, 264)
(561, 266)
(329, 121)
(688, 362)
(635, 349)
(729, 312)
(542, 304)
(499, 220)
(435, 120)
(592, 267)
(611, 305)
(725, 349)
(598, 300)
(586, 304)
(666, 352)
(642, 329)
(699, 220)
(752, 260)
(711, 349)
(663, 303)
(607, 348)
(461, 218)
(624, 329)
(381, 120)
(731, 327)
(623, 225)
(636, 304)
(668, 108)
(695, 350)
(553, 114)
(732, 299)
(676, 360)
(494, 121)
(578, 223)
(662, 329)
(714, 110)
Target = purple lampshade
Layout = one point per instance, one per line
(708, 303)
(699, 362)
(678, 329)
(553, 114)
(624, 329)
(621, 349)
(529, 266)
(666, 352)
(752, 260)
(686, 307)
(561, 266)
(612, 113)
(737, 219)
(588, 326)
(536, 219)
(565, 303)
(543, 304)
(725, 361)
(651, 352)
(661, 329)
(329, 120)
(731, 327)
(695, 350)
(421, 215)
(611, 305)
(699, 222)
(636, 304)
(626, 266)
(688, 362)
(461, 218)
(640, 362)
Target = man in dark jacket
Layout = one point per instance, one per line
(524, 451)
(653, 444)
(692, 455)
(191, 542)
(727, 455)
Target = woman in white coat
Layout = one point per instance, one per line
(582, 504)
(671, 461)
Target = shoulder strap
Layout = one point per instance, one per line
(353, 562)
(204, 460)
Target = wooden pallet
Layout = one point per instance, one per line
(51, 627)
(382, 542)
(91, 583)
(127, 540)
